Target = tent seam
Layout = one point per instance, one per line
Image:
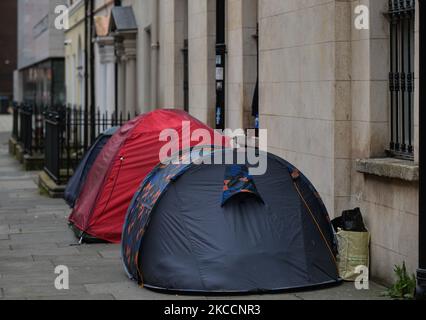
(107, 175)
(318, 227)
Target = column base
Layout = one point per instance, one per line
(421, 284)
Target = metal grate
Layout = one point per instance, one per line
(401, 77)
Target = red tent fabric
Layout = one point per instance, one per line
(120, 168)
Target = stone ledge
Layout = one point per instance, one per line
(12, 146)
(48, 186)
(33, 163)
(389, 168)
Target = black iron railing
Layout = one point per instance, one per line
(68, 137)
(62, 134)
(401, 77)
(15, 123)
(53, 140)
(28, 128)
(185, 52)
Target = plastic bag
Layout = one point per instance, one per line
(354, 251)
(351, 220)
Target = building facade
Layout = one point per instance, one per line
(8, 43)
(40, 75)
(78, 57)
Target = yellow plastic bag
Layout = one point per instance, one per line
(354, 251)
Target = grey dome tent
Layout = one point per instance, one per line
(76, 183)
(205, 228)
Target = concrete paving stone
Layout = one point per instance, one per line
(70, 297)
(25, 267)
(34, 246)
(23, 212)
(46, 253)
(23, 195)
(111, 253)
(36, 229)
(10, 170)
(16, 174)
(278, 296)
(46, 290)
(11, 259)
(97, 274)
(131, 291)
(60, 211)
(5, 245)
(84, 261)
(8, 210)
(5, 229)
(49, 257)
(346, 291)
(44, 237)
(25, 280)
(11, 185)
(23, 218)
(49, 203)
(98, 248)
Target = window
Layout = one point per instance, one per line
(401, 77)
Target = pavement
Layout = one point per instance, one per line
(35, 239)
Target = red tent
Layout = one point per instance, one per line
(120, 168)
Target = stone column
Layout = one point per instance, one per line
(109, 60)
(129, 46)
(106, 75)
(100, 77)
(202, 59)
(121, 77)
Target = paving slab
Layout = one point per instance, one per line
(127, 290)
(34, 291)
(83, 297)
(6, 123)
(346, 291)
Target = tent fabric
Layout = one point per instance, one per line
(122, 165)
(77, 181)
(179, 237)
(237, 181)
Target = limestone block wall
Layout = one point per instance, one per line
(241, 69)
(390, 206)
(324, 99)
(74, 55)
(202, 39)
(303, 81)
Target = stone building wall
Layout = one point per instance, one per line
(324, 98)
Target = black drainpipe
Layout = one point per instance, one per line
(421, 272)
(117, 3)
(86, 75)
(220, 64)
(92, 74)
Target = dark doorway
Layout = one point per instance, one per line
(220, 63)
